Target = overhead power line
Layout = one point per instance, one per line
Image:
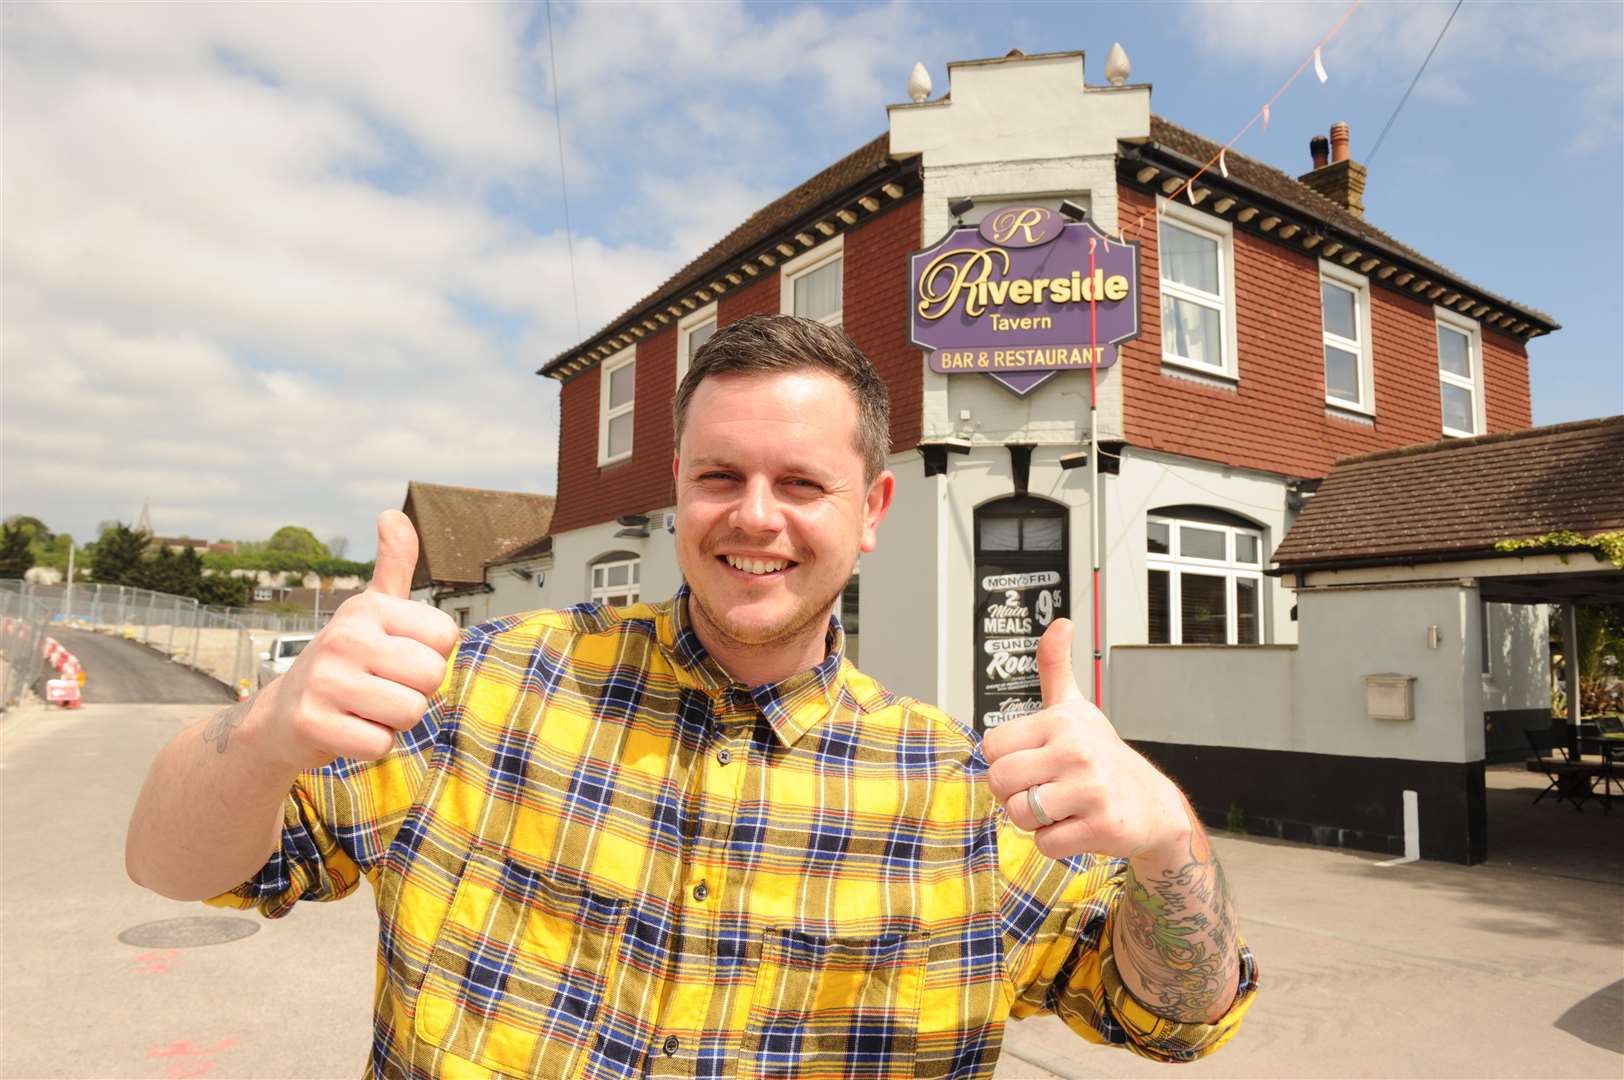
(563, 180)
(1399, 107)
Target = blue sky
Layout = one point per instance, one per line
(264, 264)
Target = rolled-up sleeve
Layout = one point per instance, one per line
(1057, 919)
(340, 819)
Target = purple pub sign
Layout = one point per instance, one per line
(1011, 297)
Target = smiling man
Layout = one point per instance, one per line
(688, 838)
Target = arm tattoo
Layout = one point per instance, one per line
(1179, 934)
(218, 730)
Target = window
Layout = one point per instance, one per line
(1205, 578)
(262, 594)
(462, 617)
(615, 582)
(693, 330)
(1345, 329)
(617, 391)
(1197, 258)
(812, 284)
(1460, 373)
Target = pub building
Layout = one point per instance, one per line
(1101, 371)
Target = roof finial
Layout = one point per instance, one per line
(918, 83)
(1117, 68)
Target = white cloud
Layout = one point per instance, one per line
(254, 268)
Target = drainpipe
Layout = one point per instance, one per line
(1094, 515)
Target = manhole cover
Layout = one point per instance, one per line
(187, 932)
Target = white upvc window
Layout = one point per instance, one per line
(693, 330)
(1196, 254)
(1205, 582)
(616, 582)
(617, 394)
(1350, 381)
(813, 283)
(1460, 373)
(262, 594)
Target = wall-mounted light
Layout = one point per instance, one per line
(632, 527)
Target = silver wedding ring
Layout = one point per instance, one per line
(1034, 804)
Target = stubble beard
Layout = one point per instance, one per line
(801, 625)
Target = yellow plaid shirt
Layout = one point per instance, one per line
(599, 857)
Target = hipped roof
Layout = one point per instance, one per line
(1461, 496)
(460, 529)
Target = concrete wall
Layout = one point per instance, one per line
(514, 593)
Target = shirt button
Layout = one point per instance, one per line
(672, 1044)
(701, 891)
(723, 756)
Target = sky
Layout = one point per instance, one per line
(261, 265)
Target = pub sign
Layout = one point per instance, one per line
(1011, 297)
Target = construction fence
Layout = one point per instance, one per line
(221, 642)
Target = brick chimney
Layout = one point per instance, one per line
(1343, 179)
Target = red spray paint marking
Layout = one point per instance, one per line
(184, 1048)
(189, 1070)
(156, 962)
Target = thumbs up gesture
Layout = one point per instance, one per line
(369, 672)
(1067, 762)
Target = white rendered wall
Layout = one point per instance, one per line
(1311, 698)
(901, 594)
(1205, 695)
(512, 594)
(1019, 129)
(570, 580)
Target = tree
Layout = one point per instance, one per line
(223, 590)
(118, 556)
(297, 540)
(338, 545)
(15, 556)
(33, 526)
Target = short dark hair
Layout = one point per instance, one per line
(764, 344)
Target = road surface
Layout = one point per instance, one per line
(1421, 970)
(118, 671)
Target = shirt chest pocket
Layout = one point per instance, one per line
(519, 971)
(835, 1006)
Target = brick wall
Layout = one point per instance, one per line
(588, 494)
(875, 304)
(1274, 417)
(876, 312)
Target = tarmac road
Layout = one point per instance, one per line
(1419, 970)
(119, 671)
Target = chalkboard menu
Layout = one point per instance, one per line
(1020, 589)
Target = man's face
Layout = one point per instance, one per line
(772, 508)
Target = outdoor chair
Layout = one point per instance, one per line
(1610, 725)
(1570, 780)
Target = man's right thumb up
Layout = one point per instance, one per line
(397, 555)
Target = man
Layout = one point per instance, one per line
(688, 838)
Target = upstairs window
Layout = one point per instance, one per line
(1205, 578)
(1345, 329)
(617, 391)
(1196, 255)
(693, 330)
(813, 284)
(1460, 373)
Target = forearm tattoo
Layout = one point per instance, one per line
(1178, 934)
(218, 730)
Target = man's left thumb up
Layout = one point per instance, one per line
(1054, 664)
